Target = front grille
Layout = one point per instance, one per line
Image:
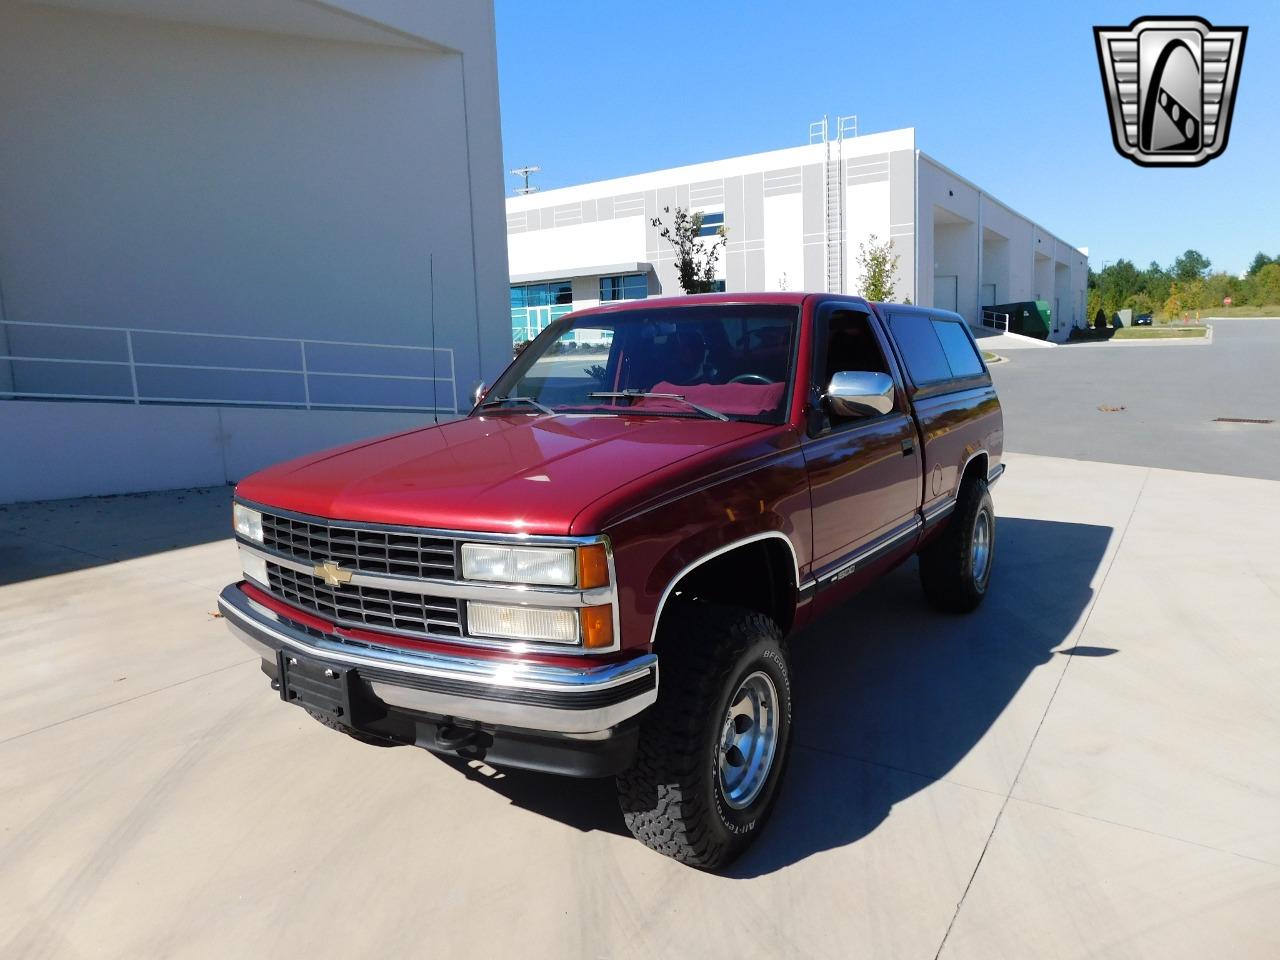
(368, 551)
(366, 606)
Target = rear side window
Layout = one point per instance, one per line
(961, 354)
(920, 347)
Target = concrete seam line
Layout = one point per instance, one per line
(1084, 626)
(118, 703)
(1150, 833)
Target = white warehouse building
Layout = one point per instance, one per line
(235, 231)
(794, 220)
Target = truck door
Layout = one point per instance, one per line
(864, 472)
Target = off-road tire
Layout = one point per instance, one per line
(947, 562)
(671, 797)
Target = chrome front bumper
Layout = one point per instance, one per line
(577, 700)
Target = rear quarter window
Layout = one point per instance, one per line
(920, 346)
(962, 356)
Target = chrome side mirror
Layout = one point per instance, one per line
(859, 393)
(481, 389)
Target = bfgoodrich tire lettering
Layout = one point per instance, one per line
(673, 797)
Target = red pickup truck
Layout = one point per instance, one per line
(594, 572)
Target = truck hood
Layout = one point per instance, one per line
(504, 473)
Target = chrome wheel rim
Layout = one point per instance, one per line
(981, 548)
(748, 740)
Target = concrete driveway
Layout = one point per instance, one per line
(1172, 394)
(1088, 767)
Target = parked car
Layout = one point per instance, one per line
(596, 571)
(1142, 320)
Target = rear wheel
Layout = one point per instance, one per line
(713, 748)
(955, 568)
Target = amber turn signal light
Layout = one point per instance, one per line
(597, 627)
(593, 566)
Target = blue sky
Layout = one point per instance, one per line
(1007, 95)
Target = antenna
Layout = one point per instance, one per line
(524, 173)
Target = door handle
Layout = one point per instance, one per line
(908, 447)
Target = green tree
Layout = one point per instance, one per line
(878, 265)
(1192, 265)
(1140, 303)
(1092, 306)
(1155, 282)
(695, 260)
(1260, 261)
(1193, 295)
(1266, 285)
(1117, 282)
(1219, 286)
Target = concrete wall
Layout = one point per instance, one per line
(773, 204)
(282, 168)
(775, 210)
(55, 449)
(966, 232)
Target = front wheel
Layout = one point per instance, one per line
(713, 748)
(955, 568)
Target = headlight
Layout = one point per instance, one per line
(522, 623)
(248, 523)
(550, 566)
(586, 567)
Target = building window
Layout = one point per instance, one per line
(631, 286)
(535, 305)
(712, 223)
(717, 286)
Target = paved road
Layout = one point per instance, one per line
(1087, 767)
(1171, 392)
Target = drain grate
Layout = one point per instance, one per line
(1239, 420)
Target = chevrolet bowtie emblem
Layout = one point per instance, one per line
(1170, 84)
(331, 573)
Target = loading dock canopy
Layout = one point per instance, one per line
(604, 270)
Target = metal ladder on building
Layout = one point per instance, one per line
(834, 219)
(833, 185)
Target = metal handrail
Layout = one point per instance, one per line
(303, 370)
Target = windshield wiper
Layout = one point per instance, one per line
(644, 394)
(494, 401)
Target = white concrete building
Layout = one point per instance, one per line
(795, 219)
(239, 230)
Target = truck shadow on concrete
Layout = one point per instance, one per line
(52, 537)
(890, 696)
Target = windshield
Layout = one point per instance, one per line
(723, 360)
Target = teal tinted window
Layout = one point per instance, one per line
(534, 305)
(630, 286)
(711, 224)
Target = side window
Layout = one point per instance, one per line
(921, 349)
(845, 341)
(961, 354)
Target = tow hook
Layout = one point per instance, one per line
(471, 744)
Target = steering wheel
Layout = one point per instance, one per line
(752, 378)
